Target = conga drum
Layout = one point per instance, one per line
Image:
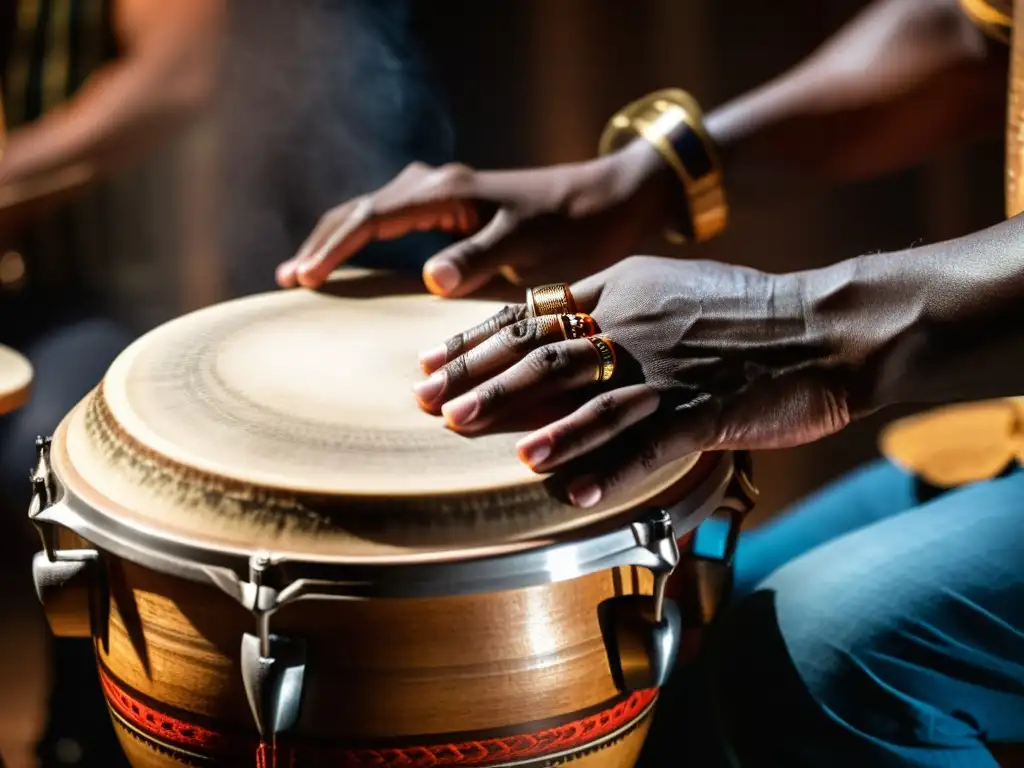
(15, 379)
(281, 560)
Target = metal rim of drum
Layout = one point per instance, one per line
(231, 570)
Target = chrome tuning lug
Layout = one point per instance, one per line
(273, 666)
(65, 579)
(43, 496)
(709, 577)
(642, 632)
(662, 542)
(741, 495)
(273, 672)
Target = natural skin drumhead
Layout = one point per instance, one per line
(286, 421)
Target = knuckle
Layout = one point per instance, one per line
(415, 168)
(491, 396)
(360, 209)
(456, 344)
(514, 313)
(607, 411)
(649, 456)
(451, 180)
(520, 336)
(505, 315)
(330, 219)
(457, 370)
(500, 320)
(612, 480)
(549, 360)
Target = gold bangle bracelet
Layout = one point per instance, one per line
(667, 119)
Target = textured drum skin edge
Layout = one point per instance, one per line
(512, 515)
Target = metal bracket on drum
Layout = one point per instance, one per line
(273, 666)
(712, 575)
(65, 579)
(642, 632)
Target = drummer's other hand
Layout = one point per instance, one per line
(709, 357)
(554, 223)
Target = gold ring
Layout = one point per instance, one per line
(577, 326)
(605, 357)
(551, 299)
(510, 274)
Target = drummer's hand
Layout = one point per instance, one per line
(560, 222)
(710, 357)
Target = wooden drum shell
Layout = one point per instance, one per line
(520, 676)
(386, 675)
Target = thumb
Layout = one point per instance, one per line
(467, 265)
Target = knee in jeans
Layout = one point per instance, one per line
(810, 649)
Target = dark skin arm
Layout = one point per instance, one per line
(901, 81)
(714, 356)
(163, 78)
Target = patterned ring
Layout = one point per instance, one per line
(551, 299)
(578, 326)
(605, 357)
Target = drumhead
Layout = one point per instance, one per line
(286, 421)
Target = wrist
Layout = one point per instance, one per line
(671, 123)
(868, 314)
(639, 176)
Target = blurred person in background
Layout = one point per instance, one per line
(870, 626)
(91, 88)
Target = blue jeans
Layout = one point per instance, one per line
(867, 629)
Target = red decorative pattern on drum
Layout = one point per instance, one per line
(159, 725)
(569, 737)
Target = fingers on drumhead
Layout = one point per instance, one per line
(549, 370)
(594, 424)
(334, 224)
(420, 197)
(494, 354)
(467, 265)
(632, 455)
(435, 357)
(345, 231)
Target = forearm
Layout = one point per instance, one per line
(122, 113)
(905, 79)
(939, 323)
(163, 79)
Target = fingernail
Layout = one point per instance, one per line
(441, 277)
(428, 391)
(433, 358)
(533, 449)
(584, 493)
(304, 276)
(286, 275)
(461, 410)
